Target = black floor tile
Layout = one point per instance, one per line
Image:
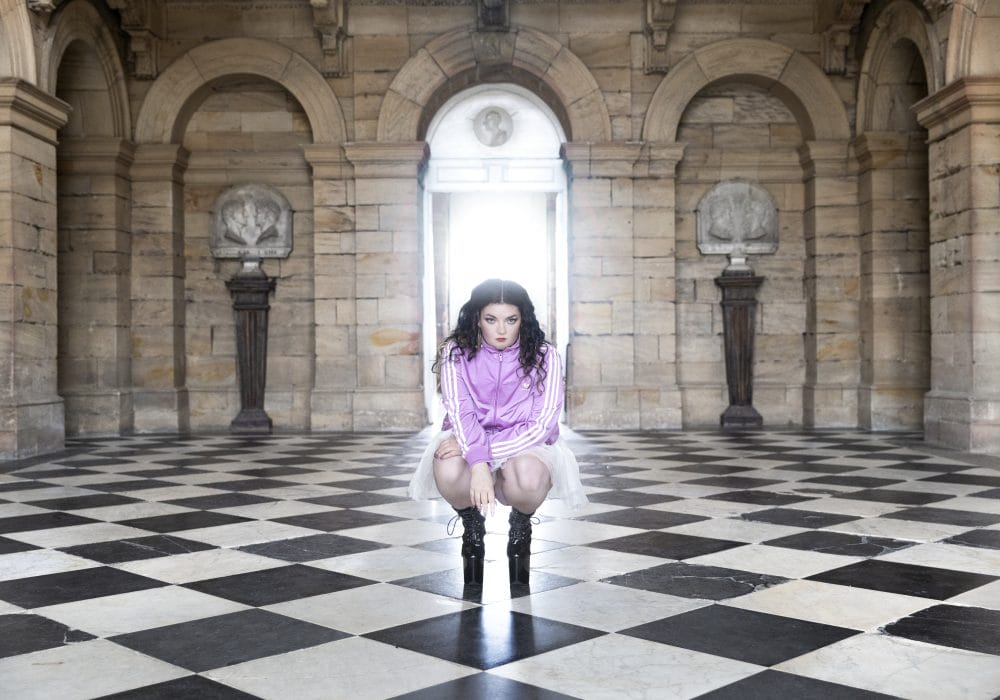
(130, 485)
(8, 546)
(643, 518)
(43, 474)
(69, 586)
(630, 499)
(988, 493)
(798, 518)
(666, 544)
(615, 482)
(695, 581)
(271, 472)
(176, 522)
(360, 499)
(908, 498)
(867, 482)
(222, 500)
(841, 543)
(165, 472)
(972, 629)
(97, 500)
(907, 579)
(271, 586)
(134, 549)
(987, 539)
(737, 634)
(380, 471)
(15, 486)
(946, 516)
(312, 547)
(710, 468)
(331, 520)
(771, 684)
(760, 498)
(734, 482)
(371, 483)
(485, 686)
(970, 479)
(251, 484)
(186, 688)
(214, 642)
(41, 521)
(23, 634)
(484, 637)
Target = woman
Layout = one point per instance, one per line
(502, 388)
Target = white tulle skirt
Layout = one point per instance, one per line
(564, 471)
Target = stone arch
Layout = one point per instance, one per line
(168, 104)
(523, 51)
(971, 39)
(80, 21)
(788, 74)
(900, 21)
(17, 49)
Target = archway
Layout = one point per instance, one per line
(899, 68)
(495, 206)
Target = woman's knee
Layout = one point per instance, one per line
(527, 474)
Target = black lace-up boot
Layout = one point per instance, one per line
(519, 546)
(473, 544)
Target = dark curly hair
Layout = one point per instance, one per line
(465, 336)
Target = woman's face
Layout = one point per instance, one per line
(500, 325)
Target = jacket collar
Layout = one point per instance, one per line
(493, 351)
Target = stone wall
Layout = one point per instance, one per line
(876, 310)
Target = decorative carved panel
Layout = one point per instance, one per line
(659, 20)
(737, 218)
(493, 15)
(251, 221)
(145, 24)
(330, 19)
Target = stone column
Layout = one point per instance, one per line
(251, 289)
(31, 411)
(158, 314)
(832, 290)
(388, 284)
(95, 372)
(895, 318)
(622, 371)
(739, 314)
(334, 251)
(962, 409)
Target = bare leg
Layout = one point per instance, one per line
(523, 483)
(452, 478)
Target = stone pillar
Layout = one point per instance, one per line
(895, 318)
(622, 360)
(158, 314)
(388, 284)
(739, 315)
(251, 289)
(31, 411)
(95, 372)
(962, 409)
(334, 252)
(830, 221)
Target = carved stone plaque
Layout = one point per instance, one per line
(493, 126)
(251, 221)
(737, 218)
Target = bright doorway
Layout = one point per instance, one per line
(495, 206)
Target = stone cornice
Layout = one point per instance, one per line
(659, 19)
(973, 100)
(96, 155)
(379, 159)
(25, 107)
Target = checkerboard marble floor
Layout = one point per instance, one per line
(772, 564)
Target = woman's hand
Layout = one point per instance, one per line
(481, 488)
(447, 449)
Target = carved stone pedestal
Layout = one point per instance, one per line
(250, 289)
(739, 307)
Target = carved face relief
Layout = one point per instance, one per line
(251, 221)
(737, 217)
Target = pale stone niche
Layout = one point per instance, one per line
(251, 221)
(738, 218)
